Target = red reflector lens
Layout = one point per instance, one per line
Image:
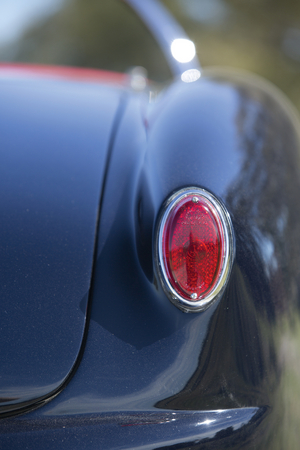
(195, 248)
(192, 247)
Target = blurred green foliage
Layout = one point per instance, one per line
(261, 36)
(102, 34)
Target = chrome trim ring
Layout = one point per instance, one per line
(228, 254)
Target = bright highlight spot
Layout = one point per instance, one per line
(138, 78)
(183, 50)
(206, 422)
(190, 75)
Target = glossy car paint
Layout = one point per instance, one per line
(55, 137)
(150, 375)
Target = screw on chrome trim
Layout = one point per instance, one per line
(195, 200)
(194, 296)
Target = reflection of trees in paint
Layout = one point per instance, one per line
(239, 362)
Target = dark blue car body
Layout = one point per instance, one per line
(93, 354)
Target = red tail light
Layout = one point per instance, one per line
(195, 249)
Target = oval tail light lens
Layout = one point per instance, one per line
(194, 249)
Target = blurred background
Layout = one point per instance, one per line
(261, 36)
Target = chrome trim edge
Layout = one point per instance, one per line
(229, 252)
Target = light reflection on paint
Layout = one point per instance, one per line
(206, 422)
(191, 75)
(183, 50)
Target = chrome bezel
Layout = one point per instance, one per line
(228, 256)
